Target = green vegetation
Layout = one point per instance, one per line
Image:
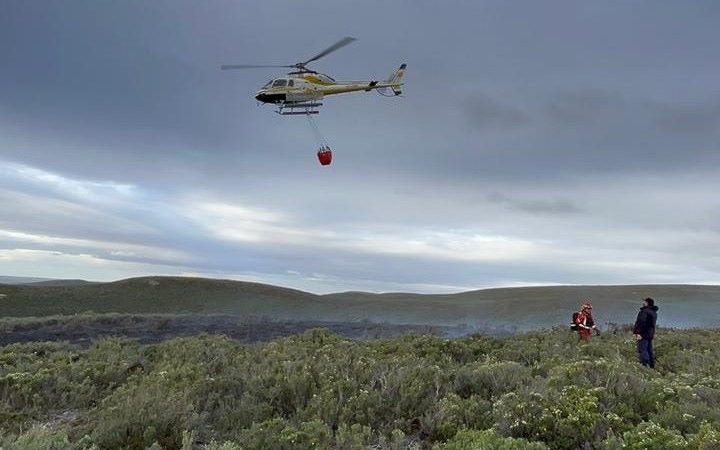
(539, 390)
(494, 311)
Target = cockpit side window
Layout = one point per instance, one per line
(291, 83)
(279, 83)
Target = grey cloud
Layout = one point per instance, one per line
(584, 107)
(485, 113)
(551, 206)
(701, 117)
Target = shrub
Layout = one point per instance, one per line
(141, 413)
(278, 434)
(224, 446)
(491, 380)
(650, 435)
(37, 438)
(567, 419)
(707, 438)
(487, 440)
(353, 437)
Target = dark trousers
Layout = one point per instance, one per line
(645, 351)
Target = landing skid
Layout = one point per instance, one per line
(295, 109)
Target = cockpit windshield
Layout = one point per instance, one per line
(267, 85)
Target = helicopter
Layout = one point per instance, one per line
(301, 91)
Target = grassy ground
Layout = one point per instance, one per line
(320, 391)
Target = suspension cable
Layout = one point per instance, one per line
(322, 142)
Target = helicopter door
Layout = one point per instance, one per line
(297, 93)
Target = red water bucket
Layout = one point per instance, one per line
(324, 156)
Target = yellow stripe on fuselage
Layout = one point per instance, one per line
(315, 80)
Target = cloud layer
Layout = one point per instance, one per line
(532, 147)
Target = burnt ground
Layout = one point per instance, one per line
(148, 329)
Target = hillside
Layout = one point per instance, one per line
(512, 308)
(151, 295)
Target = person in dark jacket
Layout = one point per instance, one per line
(644, 332)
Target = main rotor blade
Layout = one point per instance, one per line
(339, 44)
(247, 66)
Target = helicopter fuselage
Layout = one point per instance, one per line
(310, 87)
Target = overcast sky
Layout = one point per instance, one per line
(555, 142)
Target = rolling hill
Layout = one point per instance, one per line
(21, 280)
(683, 306)
(58, 283)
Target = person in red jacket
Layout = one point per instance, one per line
(584, 322)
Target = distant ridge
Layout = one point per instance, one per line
(58, 283)
(518, 308)
(21, 280)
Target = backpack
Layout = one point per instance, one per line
(573, 324)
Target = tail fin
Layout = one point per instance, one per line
(396, 80)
